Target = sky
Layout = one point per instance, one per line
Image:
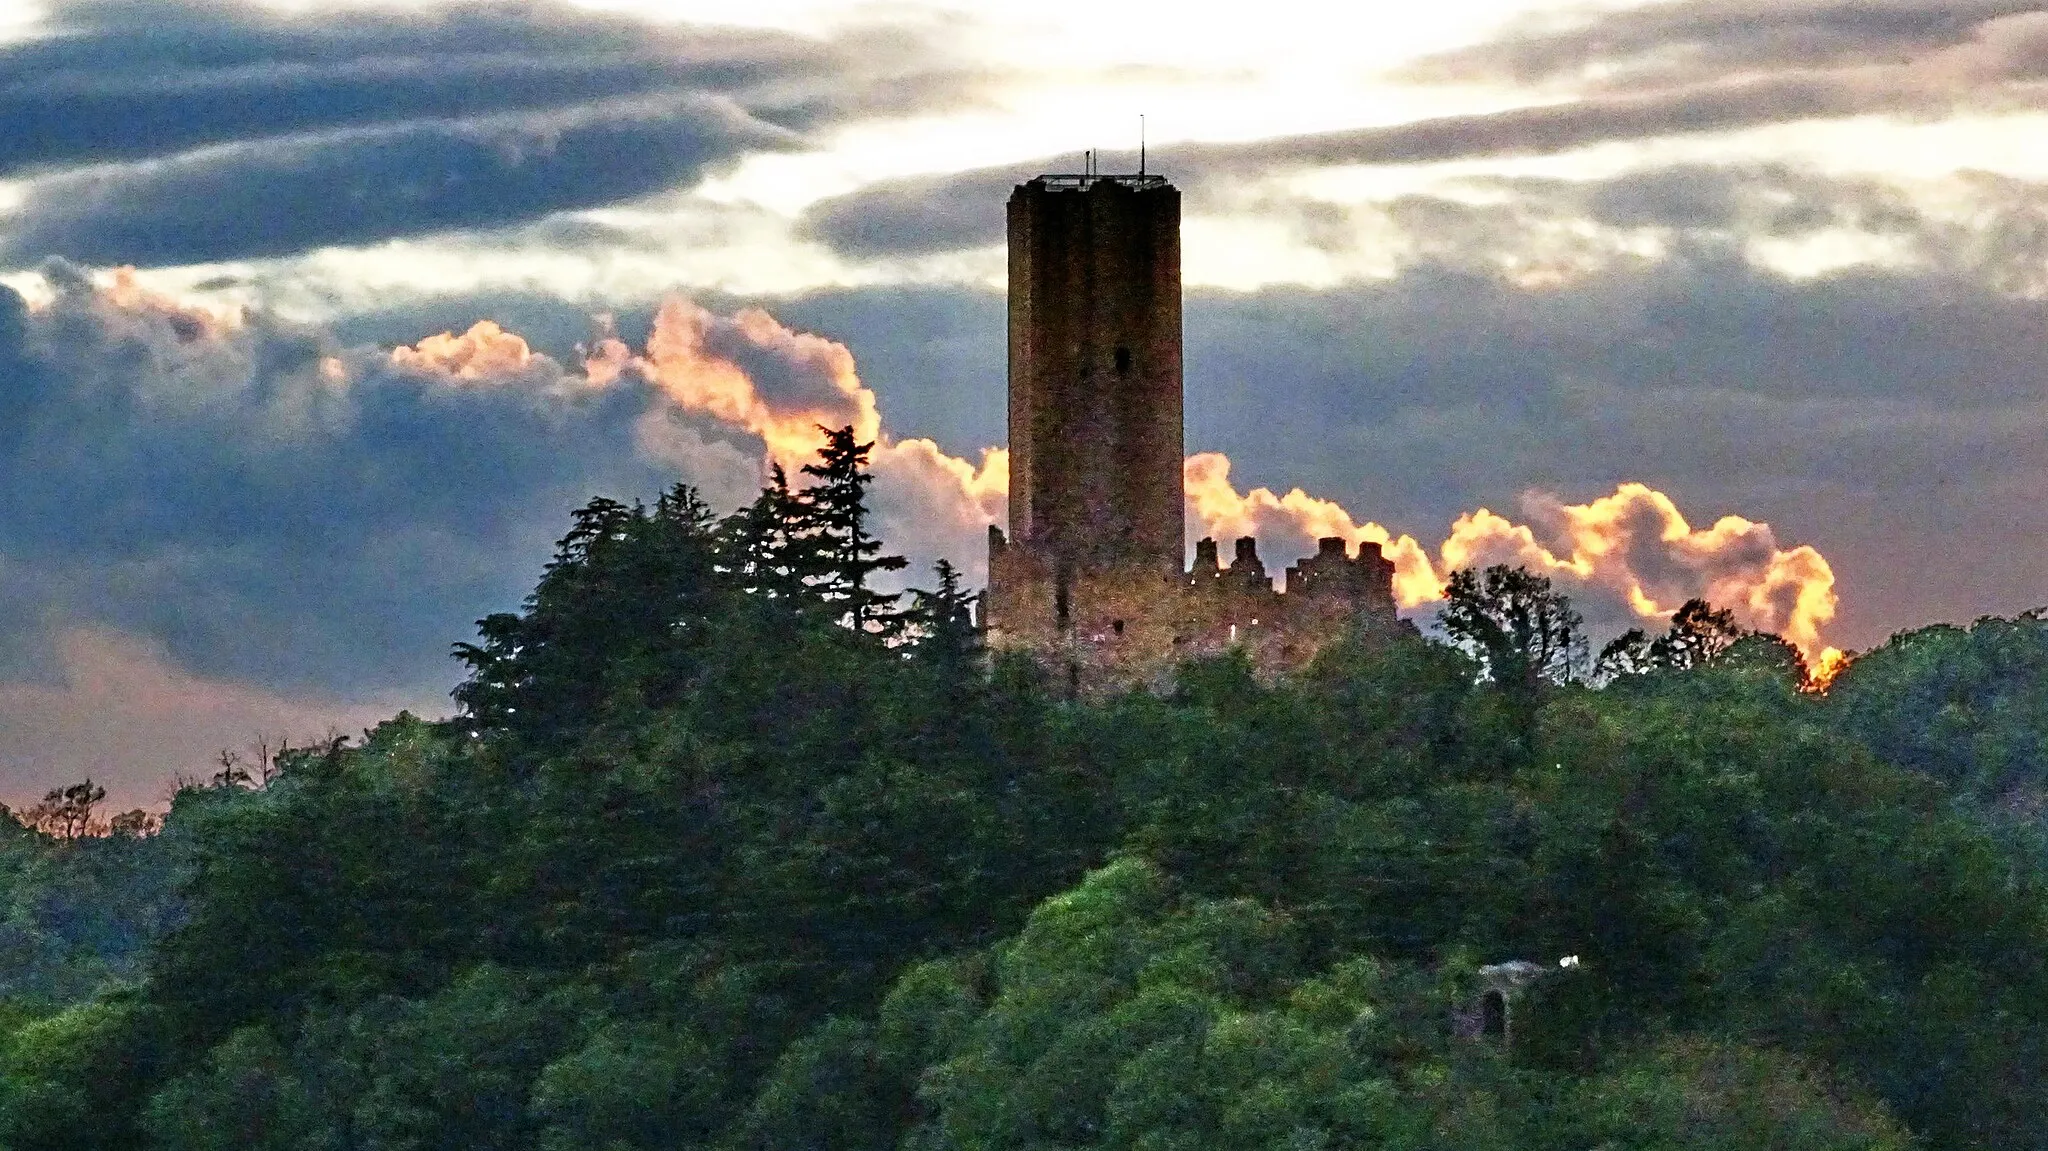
(317, 318)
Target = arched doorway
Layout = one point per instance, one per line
(1493, 1015)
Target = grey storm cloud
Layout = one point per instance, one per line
(280, 197)
(158, 131)
(919, 215)
(226, 496)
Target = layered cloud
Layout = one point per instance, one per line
(202, 500)
(1667, 43)
(1640, 73)
(277, 197)
(114, 82)
(177, 131)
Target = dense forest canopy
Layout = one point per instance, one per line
(727, 849)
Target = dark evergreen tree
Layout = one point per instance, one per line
(765, 546)
(948, 638)
(616, 620)
(847, 553)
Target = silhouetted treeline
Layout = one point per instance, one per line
(728, 850)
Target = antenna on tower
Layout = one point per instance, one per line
(1141, 143)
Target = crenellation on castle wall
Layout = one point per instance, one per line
(1106, 628)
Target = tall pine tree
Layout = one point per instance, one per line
(847, 554)
(944, 617)
(763, 544)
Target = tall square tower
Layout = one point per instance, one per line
(1095, 370)
(1096, 488)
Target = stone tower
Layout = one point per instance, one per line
(1096, 494)
(1095, 387)
(1092, 577)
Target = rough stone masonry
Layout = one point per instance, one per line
(1092, 576)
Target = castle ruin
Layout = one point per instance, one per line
(1092, 576)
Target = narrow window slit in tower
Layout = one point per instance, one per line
(1123, 359)
(1118, 625)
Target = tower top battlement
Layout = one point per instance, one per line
(1082, 181)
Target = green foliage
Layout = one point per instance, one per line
(630, 1085)
(1123, 1016)
(247, 1096)
(1968, 706)
(1520, 628)
(74, 1079)
(617, 621)
(823, 1093)
(77, 914)
(1706, 1096)
(727, 853)
(1700, 635)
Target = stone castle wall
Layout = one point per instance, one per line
(1104, 629)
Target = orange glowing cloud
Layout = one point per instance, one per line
(121, 302)
(694, 357)
(191, 321)
(939, 502)
(485, 350)
(1637, 544)
(750, 373)
(1297, 520)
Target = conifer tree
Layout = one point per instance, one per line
(846, 553)
(615, 618)
(945, 619)
(762, 543)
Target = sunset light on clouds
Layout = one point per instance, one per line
(1732, 298)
